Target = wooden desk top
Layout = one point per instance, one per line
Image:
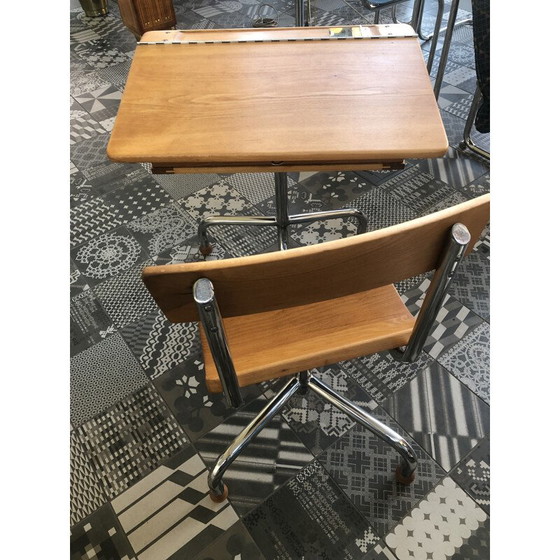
(207, 104)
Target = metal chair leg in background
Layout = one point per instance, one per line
(301, 383)
(467, 142)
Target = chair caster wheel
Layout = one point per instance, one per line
(222, 497)
(402, 479)
(206, 250)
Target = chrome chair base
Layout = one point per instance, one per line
(301, 383)
(281, 221)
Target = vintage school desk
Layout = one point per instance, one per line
(278, 100)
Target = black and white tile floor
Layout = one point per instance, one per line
(144, 430)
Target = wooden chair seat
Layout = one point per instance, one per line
(276, 343)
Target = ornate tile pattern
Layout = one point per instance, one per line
(128, 441)
(124, 297)
(364, 466)
(169, 514)
(159, 344)
(440, 413)
(473, 474)
(310, 517)
(272, 458)
(86, 494)
(440, 526)
(100, 376)
(100, 537)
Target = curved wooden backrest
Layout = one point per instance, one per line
(258, 283)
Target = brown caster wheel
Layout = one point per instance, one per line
(219, 499)
(205, 251)
(407, 480)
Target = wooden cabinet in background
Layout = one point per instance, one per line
(140, 16)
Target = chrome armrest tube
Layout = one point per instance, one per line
(211, 320)
(459, 240)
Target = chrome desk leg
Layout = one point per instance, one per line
(282, 220)
(218, 490)
(405, 473)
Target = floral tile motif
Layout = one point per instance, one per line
(271, 459)
(440, 526)
(162, 229)
(198, 411)
(160, 345)
(100, 376)
(363, 466)
(86, 494)
(309, 517)
(100, 537)
(472, 474)
(441, 414)
(124, 296)
(100, 54)
(169, 514)
(337, 187)
(127, 441)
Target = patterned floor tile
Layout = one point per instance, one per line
(469, 361)
(381, 375)
(221, 199)
(85, 81)
(381, 209)
(454, 169)
(124, 297)
(169, 514)
(440, 526)
(445, 417)
(255, 187)
(127, 441)
(338, 187)
(131, 202)
(310, 517)
(198, 411)
(189, 251)
(452, 322)
(160, 345)
(364, 466)
(183, 185)
(271, 459)
(86, 493)
(108, 255)
(235, 544)
(100, 537)
(478, 187)
(421, 191)
(89, 324)
(449, 95)
(90, 219)
(100, 54)
(162, 229)
(317, 423)
(472, 474)
(101, 103)
(116, 74)
(471, 283)
(100, 376)
(91, 152)
(83, 127)
(454, 128)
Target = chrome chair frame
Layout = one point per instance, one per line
(282, 220)
(467, 140)
(211, 320)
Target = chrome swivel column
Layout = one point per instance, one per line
(281, 220)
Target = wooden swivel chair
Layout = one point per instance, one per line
(286, 312)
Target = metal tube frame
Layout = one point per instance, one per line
(282, 220)
(467, 140)
(213, 325)
(302, 382)
(459, 239)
